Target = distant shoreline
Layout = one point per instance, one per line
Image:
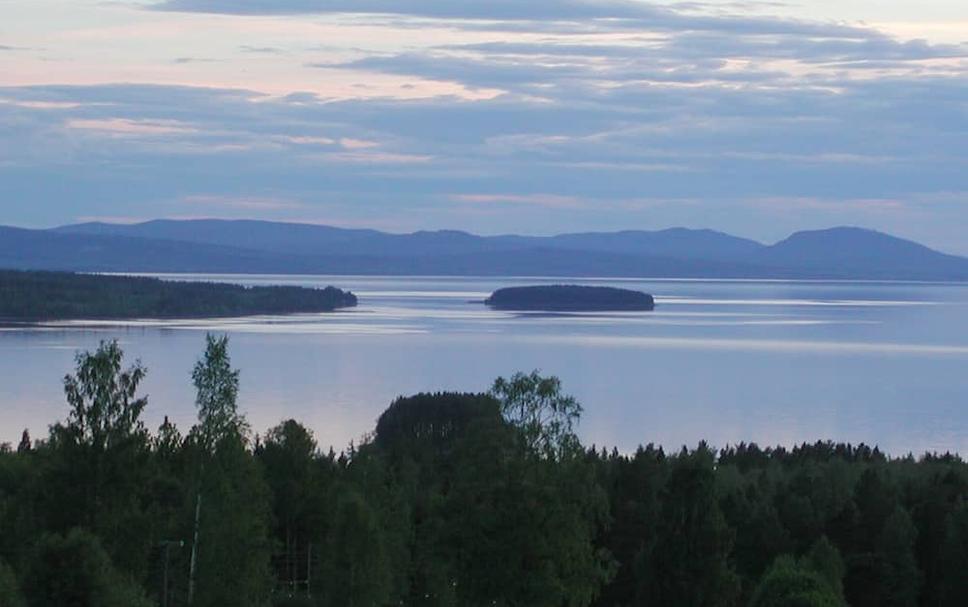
(36, 298)
(211, 276)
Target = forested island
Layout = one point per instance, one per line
(455, 500)
(47, 296)
(569, 298)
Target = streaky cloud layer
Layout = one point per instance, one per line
(508, 116)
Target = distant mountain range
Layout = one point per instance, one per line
(284, 248)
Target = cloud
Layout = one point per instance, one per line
(357, 144)
(605, 14)
(123, 127)
(184, 60)
(599, 115)
(262, 50)
(449, 9)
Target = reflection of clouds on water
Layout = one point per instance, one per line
(265, 325)
(699, 301)
(400, 321)
(316, 329)
(757, 345)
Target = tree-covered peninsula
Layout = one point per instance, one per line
(570, 298)
(45, 296)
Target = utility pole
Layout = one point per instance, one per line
(309, 569)
(167, 544)
(194, 562)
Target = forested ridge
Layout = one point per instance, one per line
(455, 499)
(40, 296)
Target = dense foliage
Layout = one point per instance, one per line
(35, 296)
(455, 499)
(566, 298)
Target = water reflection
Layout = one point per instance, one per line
(773, 362)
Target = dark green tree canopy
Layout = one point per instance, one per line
(217, 391)
(433, 419)
(546, 417)
(456, 500)
(789, 584)
(104, 409)
(75, 570)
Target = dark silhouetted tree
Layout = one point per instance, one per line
(99, 456)
(688, 564)
(789, 584)
(10, 595)
(75, 570)
(357, 573)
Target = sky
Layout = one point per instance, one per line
(499, 116)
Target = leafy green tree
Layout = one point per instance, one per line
(898, 569)
(520, 530)
(75, 570)
(217, 391)
(473, 486)
(688, 564)
(536, 406)
(954, 550)
(357, 571)
(634, 486)
(231, 547)
(748, 504)
(99, 457)
(824, 558)
(299, 493)
(882, 569)
(410, 472)
(10, 595)
(171, 485)
(104, 425)
(938, 490)
(104, 408)
(392, 490)
(789, 584)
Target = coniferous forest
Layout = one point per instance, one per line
(43, 296)
(455, 499)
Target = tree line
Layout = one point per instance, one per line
(40, 296)
(455, 499)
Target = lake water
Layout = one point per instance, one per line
(725, 361)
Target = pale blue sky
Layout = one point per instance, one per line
(757, 118)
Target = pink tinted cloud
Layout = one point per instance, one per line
(309, 140)
(357, 144)
(124, 127)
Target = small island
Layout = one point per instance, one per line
(48, 296)
(570, 298)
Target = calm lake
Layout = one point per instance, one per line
(725, 361)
